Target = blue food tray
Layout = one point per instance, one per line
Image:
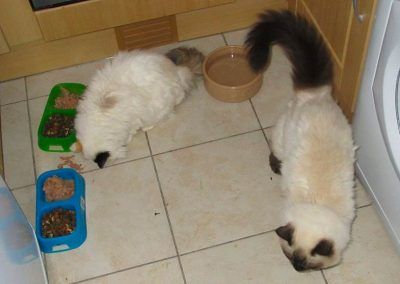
(76, 203)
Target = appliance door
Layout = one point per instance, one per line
(20, 258)
(386, 87)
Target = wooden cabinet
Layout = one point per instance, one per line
(3, 44)
(347, 39)
(89, 16)
(33, 42)
(18, 22)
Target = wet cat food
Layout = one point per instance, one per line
(66, 100)
(58, 222)
(56, 188)
(58, 125)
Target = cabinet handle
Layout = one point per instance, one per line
(360, 17)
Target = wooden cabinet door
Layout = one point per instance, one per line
(3, 44)
(333, 18)
(347, 39)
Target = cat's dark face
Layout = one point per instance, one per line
(101, 159)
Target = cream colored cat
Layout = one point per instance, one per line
(312, 145)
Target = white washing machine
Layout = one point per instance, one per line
(377, 118)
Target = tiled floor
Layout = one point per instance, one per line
(194, 202)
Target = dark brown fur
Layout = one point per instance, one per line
(189, 57)
(311, 63)
(275, 164)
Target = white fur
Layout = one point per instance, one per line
(314, 142)
(134, 91)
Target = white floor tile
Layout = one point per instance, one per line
(26, 198)
(123, 229)
(371, 256)
(236, 37)
(204, 44)
(254, 260)
(17, 151)
(201, 118)
(219, 191)
(166, 272)
(12, 91)
(41, 84)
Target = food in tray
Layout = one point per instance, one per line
(56, 188)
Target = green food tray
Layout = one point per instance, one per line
(54, 144)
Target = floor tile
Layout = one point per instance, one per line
(18, 161)
(219, 191)
(362, 196)
(201, 118)
(41, 84)
(26, 198)
(204, 44)
(166, 272)
(123, 229)
(371, 256)
(12, 91)
(257, 259)
(45, 161)
(236, 37)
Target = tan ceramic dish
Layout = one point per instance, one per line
(228, 77)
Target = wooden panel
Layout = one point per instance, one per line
(337, 65)
(43, 56)
(3, 44)
(18, 22)
(292, 5)
(355, 57)
(147, 34)
(91, 16)
(179, 6)
(239, 14)
(333, 18)
(218, 2)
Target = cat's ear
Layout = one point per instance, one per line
(101, 159)
(286, 233)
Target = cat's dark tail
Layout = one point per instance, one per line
(310, 58)
(189, 57)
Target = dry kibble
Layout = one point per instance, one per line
(59, 126)
(59, 222)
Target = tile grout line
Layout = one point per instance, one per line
(172, 257)
(116, 164)
(21, 187)
(165, 152)
(169, 151)
(3, 172)
(33, 161)
(206, 142)
(363, 206)
(12, 103)
(125, 269)
(166, 209)
(30, 130)
(224, 38)
(259, 122)
(228, 242)
(323, 276)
